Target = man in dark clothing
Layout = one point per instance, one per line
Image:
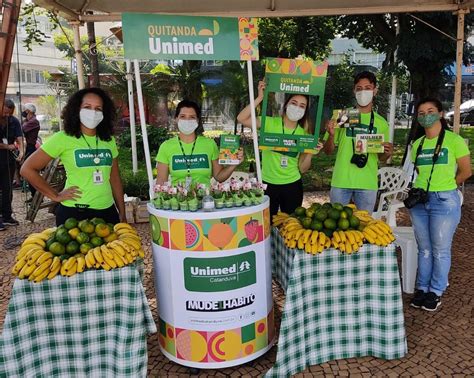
(31, 128)
(10, 132)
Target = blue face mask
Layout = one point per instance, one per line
(428, 120)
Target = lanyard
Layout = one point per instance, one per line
(371, 128)
(283, 128)
(188, 162)
(96, 155)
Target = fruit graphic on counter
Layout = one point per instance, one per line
(251, 230)
(191, 234)
(220, 234)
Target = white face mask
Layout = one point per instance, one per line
(294, 113)
(90, 118)
(364, 97)
(187, 126)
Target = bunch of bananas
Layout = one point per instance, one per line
(363, 216)
(348, 241)
(36, 264)
(279, 219)
(379, 233)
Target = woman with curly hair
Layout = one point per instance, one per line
(88, 152)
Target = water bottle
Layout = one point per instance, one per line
(208, 202)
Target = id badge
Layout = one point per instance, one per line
(284, 161)
(98, 178)
(4, 141)
(187, 183)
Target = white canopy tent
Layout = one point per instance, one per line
(78, 11)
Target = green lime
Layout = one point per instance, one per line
(70, 223)
(86, 226)
(337, 206)
(310, 212)
(86, 247)
(316, 225)
(343, 224)
(348, 210)
(306, 222)
(327, 206)
(299, 211)
(57, 249)
(96, 241)
(328, 233)
(50, 241)
(343, 215)
(315, 205)
(72, 247)
(321, 215)
(330, 224)
(96, 221)
(334, 214)
(63, 236)
(82, 238)
(354, 222)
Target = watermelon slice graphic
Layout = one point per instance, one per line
(191, 233)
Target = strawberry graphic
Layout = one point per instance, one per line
(251, 230)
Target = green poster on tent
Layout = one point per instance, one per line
(284, 78)
(154, 36)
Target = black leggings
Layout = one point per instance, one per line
(286, 197)
(110, 215)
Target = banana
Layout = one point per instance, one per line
(314, 248)
(63, 270)
(306, 235)
(290, 235)
(69, 263)
(321, 247)
(370, 232)
(26, 270)
(314, 237)
(292, 244)
(35, 256)
(342, 247)
(45, 256)
(118, 260)
(19, 266)
(350, 237)
(369, 237)
(40, 269)
(129, 257)
(73, 269)
(39, 235)
(34, 240)
(322, 238)
(27, 248)
(128, 235)
(42, 276)
(90, 259)
(378, 230)
(108, 257)
(300, 244)
(307, 247)
(54, 268)
(342, 235)
(334, 243)
(336, 237)
(348, 247)
(81, 264)
(97, 255)
(119, 226)
(328, 243)
(141, 253)
(105, 266)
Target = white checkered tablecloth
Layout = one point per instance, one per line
(337, 306)
(93, 324)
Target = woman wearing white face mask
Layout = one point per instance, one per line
(281, 171)
(190, 156)
(88, 152)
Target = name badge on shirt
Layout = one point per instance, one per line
(188, 182)
(4, 141)
(98, 177)
(284, 161)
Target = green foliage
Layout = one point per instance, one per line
(135, 185)
(156, 136)
(48, 105)
(28, 15)
(339, 86)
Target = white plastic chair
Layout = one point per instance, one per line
(393, 187)
(405, 239)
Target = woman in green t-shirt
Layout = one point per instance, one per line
(190, 156)
(88, 152)
(281, 171)
(442, 161)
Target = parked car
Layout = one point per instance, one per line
(467, 113)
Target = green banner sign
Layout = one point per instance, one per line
(85, 157)
(289, 77)
(220, 273)
(153, 36)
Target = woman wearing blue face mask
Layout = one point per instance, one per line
(442, 161)
(190, 156)
(88, 152)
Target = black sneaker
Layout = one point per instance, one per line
(418, 299)
(10, 222)
(432, 302)
(2, 227)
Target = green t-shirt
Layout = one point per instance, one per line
(77, 156)
(347, 175)
(272, 170)
(200, 162)
(444, 173)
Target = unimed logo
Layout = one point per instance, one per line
(220, 273)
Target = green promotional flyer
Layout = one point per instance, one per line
(284, 78)
(369, 143)
(155, 36)
(229, 148)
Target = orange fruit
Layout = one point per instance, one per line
(102, 230)
(113, 236)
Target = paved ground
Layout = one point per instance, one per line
(440, 344)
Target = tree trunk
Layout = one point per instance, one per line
(94, 81)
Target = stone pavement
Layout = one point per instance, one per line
(439, 344)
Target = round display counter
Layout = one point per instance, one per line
(213, 283)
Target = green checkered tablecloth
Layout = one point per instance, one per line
(93, 324)
(337, 306)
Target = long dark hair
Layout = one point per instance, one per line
(70, 114)
(303, 122)
(191, 104)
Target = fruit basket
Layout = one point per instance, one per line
(323, 226)
(77, 246)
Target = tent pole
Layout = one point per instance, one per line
(141, 109)
(78, 52)
(254, 122)
(458, 83)
(131, 112)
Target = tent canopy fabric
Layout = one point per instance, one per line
(111, 10)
